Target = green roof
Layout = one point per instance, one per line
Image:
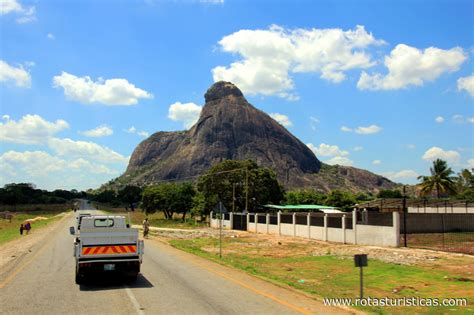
(299, 207)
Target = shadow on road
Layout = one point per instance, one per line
(114, 283)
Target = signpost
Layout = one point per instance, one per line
(361, 261)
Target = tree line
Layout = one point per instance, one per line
(240, 186)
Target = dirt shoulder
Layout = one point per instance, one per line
(14, 252)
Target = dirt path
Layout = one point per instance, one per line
(13, 252)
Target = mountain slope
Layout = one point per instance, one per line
(231, 128)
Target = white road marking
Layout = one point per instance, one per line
(134, 301)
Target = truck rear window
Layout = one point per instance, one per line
(103, 222)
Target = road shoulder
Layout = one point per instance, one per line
(285, 296)
(15, 252)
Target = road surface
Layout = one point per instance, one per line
(171, 282)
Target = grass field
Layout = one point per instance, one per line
(156, 219)
(334, 276)
(11, 230)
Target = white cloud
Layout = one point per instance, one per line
(187, 113)
(327, 150)
(100, 131)
(212, 1)
(470, 163)
(346, 129)
(467, 84)
(134, 130)
(282, 119)
(50, 36)
(368, 130)
(19, 76)
(87, 150)
(143, 133)
(438, 153)
(270, 56)
(358, 148)
(314, 122)
(338, 156)
(339, 160)
(52, 172)
(30, 129)
(404, 174)
(460, 119)
(6, 117)
(411, 66)
(376, 162)
(411, 146)
(109, 92)
(439, 119)
(25, 14)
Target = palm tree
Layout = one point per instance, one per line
(440, 180)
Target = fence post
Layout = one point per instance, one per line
(354, 225)
(231, 219)
(343, 223)
(396, 227)
(294, 223)
(247, 215)
(210, 221)
(309, 225)
(268, 220)
(279, 222)
(325, 227)
(256, 222)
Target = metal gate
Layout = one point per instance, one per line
(239, 222)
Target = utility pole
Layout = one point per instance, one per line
(247, 190)
(233, 197)
(405, 212)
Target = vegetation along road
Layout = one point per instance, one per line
(171, 282)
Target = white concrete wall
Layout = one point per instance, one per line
(287, 229)
(317, 232)
(359, 234)
(376, 235)
(335, 235)
(225, 224)
(302, 230)
(273, 229)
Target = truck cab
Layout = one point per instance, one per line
(106, 245)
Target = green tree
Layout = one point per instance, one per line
(440, 181)
(341, 199)
(304, 197)
(169, 198)
(130, 195)
(231, 180)
(387, 193)
(465, 185)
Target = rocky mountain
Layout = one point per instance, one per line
(231, 128)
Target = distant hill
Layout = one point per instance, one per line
(231, 128)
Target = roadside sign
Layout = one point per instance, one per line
(360, 261)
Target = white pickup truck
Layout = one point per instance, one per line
(106, 244)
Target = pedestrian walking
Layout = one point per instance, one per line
(146, 227)
(21, 229)
(28, 227)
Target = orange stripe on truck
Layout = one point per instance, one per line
(104, 250)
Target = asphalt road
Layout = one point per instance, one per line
(171, 282)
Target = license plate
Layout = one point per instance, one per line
(109, 267)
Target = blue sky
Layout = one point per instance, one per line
(381, 85)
